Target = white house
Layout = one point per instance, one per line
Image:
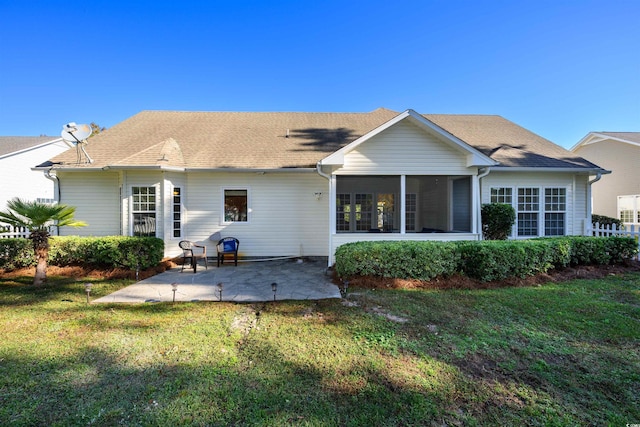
(616, 195)
(301, 184)
(18, 156)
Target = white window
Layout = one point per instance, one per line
(236, 205)
(177, 212)
(629, 209)
(343, 212)
(555, 206)
(534, 218)
(502, 195)
(143, 209)
(528, 207)
(411, 211)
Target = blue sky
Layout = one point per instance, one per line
(559, 68)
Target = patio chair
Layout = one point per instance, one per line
(226, 246)
(188, 254)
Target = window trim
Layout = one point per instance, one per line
(635, 210)
(132, 210)
(222, 204)
(541, 212)
(180, 212)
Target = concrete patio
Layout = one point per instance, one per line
(250, 281)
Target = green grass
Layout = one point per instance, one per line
(558, 354)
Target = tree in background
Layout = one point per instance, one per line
(96, 129)
(37, 218)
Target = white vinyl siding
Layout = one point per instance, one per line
(18, 180)
(96, 197)
(286, 217)
(404, 149)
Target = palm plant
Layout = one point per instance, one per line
(37, 218)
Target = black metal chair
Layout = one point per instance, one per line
(188, 254)
(226, 246)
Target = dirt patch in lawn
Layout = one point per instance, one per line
(462, 282)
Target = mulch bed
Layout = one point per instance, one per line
(368, 282)
(93, 273)
(463, 282)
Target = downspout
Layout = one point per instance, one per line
(483, 172)
(56, 190)
(328, 177)
(589, 207)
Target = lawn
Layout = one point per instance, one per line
(557, 354)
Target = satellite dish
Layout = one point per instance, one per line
(77, 134)
(74, 133)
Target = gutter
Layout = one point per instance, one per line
(589, 204)
(56, 183)
(331, 209)
(183, 169)
(550, 169)
(483, 172)
(56, 191)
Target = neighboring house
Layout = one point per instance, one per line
(616, 195)
(18, 155)
(302, 184)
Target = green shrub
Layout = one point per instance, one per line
(109, 251)
(497, 220)
(499, 260)
(607, 220)
(407, 259)
(16, 253)
(482, 260)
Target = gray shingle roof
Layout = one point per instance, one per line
(248, 140)
(12, 144)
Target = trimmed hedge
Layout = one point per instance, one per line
(482, 260)
(110, 251)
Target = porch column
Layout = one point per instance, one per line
(403, 207)
(476, 220)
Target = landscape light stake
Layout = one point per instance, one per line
(345, 287)
(174, 288)
(274, 288)
(87, 289)
(219, 287)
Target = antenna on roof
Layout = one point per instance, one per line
(77, 135)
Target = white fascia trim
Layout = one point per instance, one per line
(35, 147)
(474, 157)
(155, 168)
(595, 137)
(249, 170)
(590, 171)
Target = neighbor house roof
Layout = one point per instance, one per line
(632, 138)
(250, 140)
(15, 144)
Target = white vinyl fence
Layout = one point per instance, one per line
(604, 230)
(10, 232)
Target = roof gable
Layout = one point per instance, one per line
(474, 157)
(631, 138)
